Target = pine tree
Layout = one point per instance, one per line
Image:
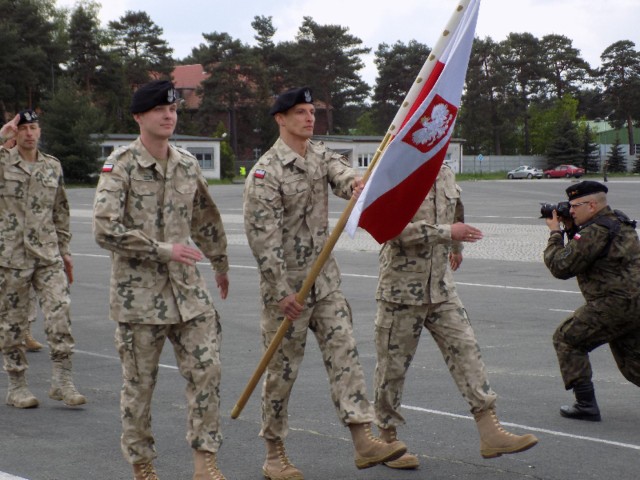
(565, 147)
(615, 160)
(589, 151)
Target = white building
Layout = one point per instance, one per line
(205, 149)
(360, 149)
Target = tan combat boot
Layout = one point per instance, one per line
(30, 343)
(205, 466)
(19, 395)
(495, 440)
(407, 461)
(62, 387)
(370, 450)
(277, 466)
(144, 471)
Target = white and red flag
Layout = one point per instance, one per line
(409, 165)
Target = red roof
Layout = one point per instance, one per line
(187, 78)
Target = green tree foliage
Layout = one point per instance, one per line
(398, 66)
(620, 74)
(233, 86)
(485, 119)
(227, 157)
(590, 149)
(615, 159)
(565, 71)
(544, 121)
(137, 40)
(328, 58)
(33, 47)
(565, 147)
(86, 53)
(68, 121)
(521, 60)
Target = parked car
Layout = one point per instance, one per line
(566, 171)
(524, 171)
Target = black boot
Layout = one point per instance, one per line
(586, 407)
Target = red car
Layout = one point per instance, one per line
(564, 171)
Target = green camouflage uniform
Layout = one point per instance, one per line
(415, 290)
(286, 222)
(34, 235)
(139, 213)
(610, 284)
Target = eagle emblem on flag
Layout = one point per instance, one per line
(434, 125)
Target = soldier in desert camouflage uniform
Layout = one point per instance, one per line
(286, 222)
(34, 253)
(603, 253)
(150, 200)
(416, 290)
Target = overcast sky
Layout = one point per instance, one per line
(592, 25)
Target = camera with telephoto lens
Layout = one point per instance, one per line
(562, 208)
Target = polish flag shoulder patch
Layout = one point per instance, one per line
(577, 236)
(107, 167)
(259, 173)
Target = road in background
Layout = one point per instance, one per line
(512, 300)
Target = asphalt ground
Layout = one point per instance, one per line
(514, 304)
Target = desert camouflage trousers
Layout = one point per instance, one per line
(196, 345)
(398, 330)
(51, 286)
(331, 322)
(608, 320)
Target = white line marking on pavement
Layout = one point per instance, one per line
(6, 476)
(561, 310)
(355, 275)
(533, 429)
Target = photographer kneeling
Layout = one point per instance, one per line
(603, 253)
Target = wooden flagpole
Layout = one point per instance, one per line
(342, 221)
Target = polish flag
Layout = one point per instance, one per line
(409, 165)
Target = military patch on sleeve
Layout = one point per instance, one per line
(107, 167)
(259, 173)
(577, 236)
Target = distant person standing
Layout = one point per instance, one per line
(34, 253)
(151, 200)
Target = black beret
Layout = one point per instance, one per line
(152, 94)
(292, 97)
(27, 116)
(584, 188)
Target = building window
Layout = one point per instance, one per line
(106, 150)
(364, 159)
(205, 160)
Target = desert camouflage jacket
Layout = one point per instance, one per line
(139, 213)
(599, 273)
(34, 211)
(286, 216)
(414, 266)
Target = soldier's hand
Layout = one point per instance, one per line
(357, 186)
(68, 267)
(553, 223)
(185, 254)
(10, 129)
(461, 232)
(222, 282)
(290, 307)
(455, 259)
